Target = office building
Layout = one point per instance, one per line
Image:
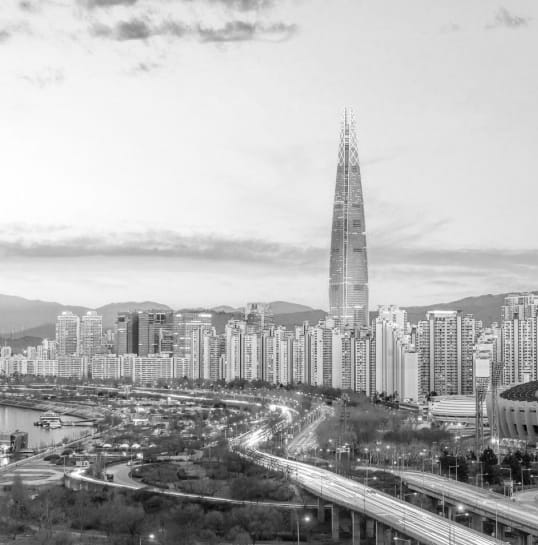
(126, 333)
(154, 328)
(348, 283)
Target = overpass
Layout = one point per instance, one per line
(395, 521)
(482, 503)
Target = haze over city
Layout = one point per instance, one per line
(123, 181)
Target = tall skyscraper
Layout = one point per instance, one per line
(127, 333)
(67, 334)
(348, 283)
(187, 323)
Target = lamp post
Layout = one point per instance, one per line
(151, 537)
(306, 518)
(511, 481)
(403, 496)
(450, 467)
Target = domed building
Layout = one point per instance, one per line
(456, 412)
(517, 412)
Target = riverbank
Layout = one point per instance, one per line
(77, 411)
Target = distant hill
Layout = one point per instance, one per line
(292, 319)
(18, 345)
(110, 311)
(225, 308)
(483, 307)
(282, 307)
(18, 314)
(24, 322)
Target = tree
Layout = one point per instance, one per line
(19, 499)
(257, 521)
(490, 469)
(214, 521)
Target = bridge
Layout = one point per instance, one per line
(393, 520)
(480, 502)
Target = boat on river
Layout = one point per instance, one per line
(50, 420)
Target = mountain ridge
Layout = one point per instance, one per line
(36, 318)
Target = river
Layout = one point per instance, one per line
(15, 418)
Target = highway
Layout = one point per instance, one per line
(478, 500)
(128, 484)
(407, 519)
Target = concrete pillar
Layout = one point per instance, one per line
(380, 534)
(450, 512)
(476, 522)
(335, 523)
(355, 528)
(321, 512)
(370, 528)
(525, 539)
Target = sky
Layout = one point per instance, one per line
(184, 151)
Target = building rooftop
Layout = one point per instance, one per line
(522, 392)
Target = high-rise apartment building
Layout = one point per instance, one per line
(348, 283)
(519, 338)
(258, 316)
(446, 342)
(91, 334)
(235, 331)
(524, 305)
(394, 314)
(185, 323)
(67, 334)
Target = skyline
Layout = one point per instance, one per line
(110, 118)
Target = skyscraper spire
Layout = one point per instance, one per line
(348, 283)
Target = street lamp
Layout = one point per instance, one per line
(403, 496)
(151, 537)
(306, 518)
(511, 481)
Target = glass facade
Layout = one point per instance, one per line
(348, 283)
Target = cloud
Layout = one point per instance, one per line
(245, 5)
(237, 5)
(504, 18)
(4, 35)
(133, 30)
(159, 244)
(451, 27)
(107, 3)
(44, 78)
(232, 31)
(238, 31)
(144, 67)
(463, 260)
(27, 5)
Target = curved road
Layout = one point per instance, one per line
(407, 519)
